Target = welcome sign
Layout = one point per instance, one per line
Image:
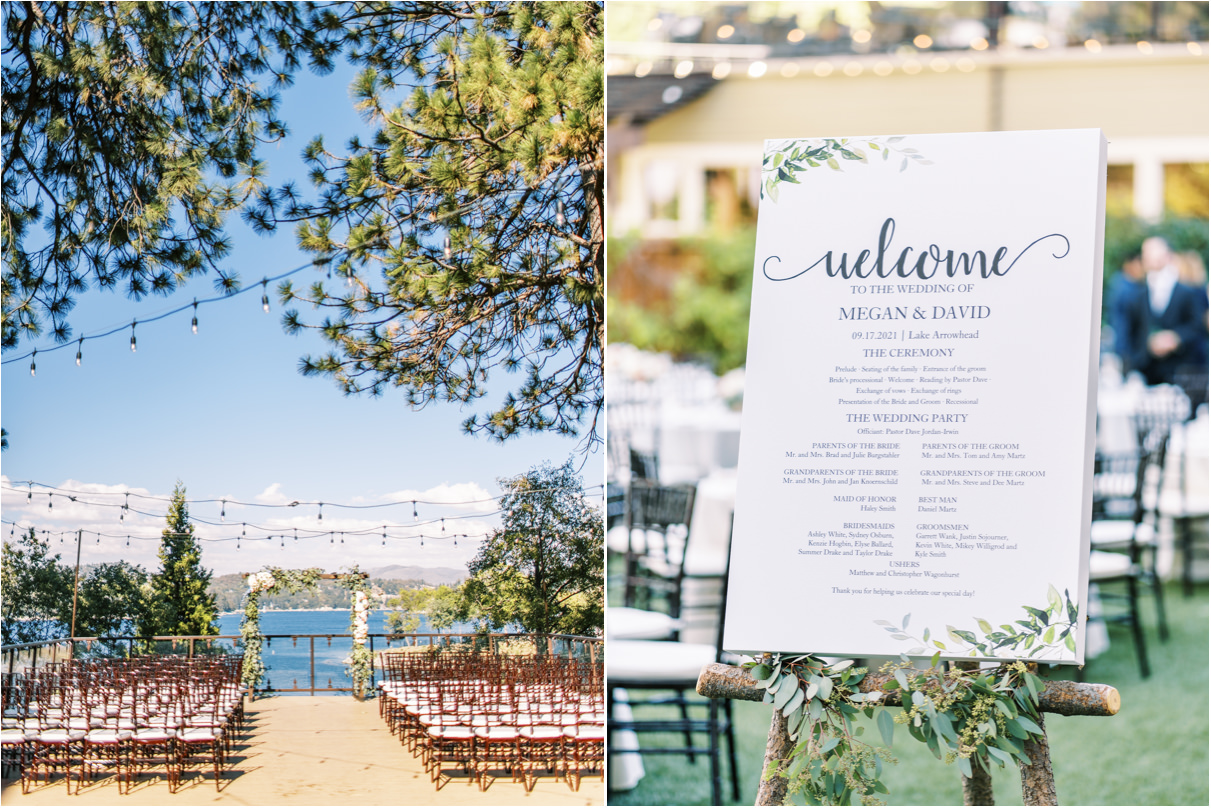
(917, 440)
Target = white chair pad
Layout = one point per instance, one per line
(626, 623)
(1104, 565)
(657, 662)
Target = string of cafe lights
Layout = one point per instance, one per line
(383, 533)
(72, 494)
(79, 342)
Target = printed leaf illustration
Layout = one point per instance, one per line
(787, 160)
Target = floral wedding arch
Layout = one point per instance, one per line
(273, 580)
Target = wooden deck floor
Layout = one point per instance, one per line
(313, 751)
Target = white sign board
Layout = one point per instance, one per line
(916, 450)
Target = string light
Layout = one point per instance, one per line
(559, 214)
(320, 518)
(265, 295)
(443, 524)
(80, 351)
(446, 249)
(33, 368)
(384, 535)
(223, 511)
(414, 502)
(50, 502)
(193, 323)
(133, 347)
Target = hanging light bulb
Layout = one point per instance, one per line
(446, 249)
(50, 502)
(331, 538)
(264, 294)
(422, 541)
(79, 351)
(128, 541)
(296, 534)
(320, 518)
(283, 538)
(30, 496)
(414, 516)
(194, 325)
(342, 537)
(244, 532)
(349, 279)
(133, 346)
(223, 511)
(559, 216)
(33, 368)
(384, 535)
(443, 524)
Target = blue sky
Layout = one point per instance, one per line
(226, 412)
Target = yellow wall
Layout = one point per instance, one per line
(1127, 96)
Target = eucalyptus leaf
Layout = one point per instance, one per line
(1029, 725)
(795, 703)
(786, 690)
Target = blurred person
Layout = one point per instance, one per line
(1190, 271)
(1126, 301)
(1176, 335)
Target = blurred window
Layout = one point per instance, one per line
(1186, 189)
(1120, 187)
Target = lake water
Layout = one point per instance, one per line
(289, 664)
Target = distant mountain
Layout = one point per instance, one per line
(433, 576)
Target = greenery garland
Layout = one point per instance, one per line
(361, 661)
(272, 580)
(982, 715)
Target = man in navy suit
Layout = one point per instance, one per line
(1127, 312)
(1176, 335)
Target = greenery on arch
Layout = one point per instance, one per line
(272, 580)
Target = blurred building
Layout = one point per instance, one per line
(694, 89)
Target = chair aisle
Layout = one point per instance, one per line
(484, 716)
(122, 716)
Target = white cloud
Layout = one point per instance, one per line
(250, 537)
(465, 496)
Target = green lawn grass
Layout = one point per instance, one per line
(1154, 752)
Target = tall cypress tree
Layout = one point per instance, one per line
(180, 601)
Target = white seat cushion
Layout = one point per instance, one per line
(1104, 565)
(657, 662)
(625, 623)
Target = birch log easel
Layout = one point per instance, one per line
(718, 681)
